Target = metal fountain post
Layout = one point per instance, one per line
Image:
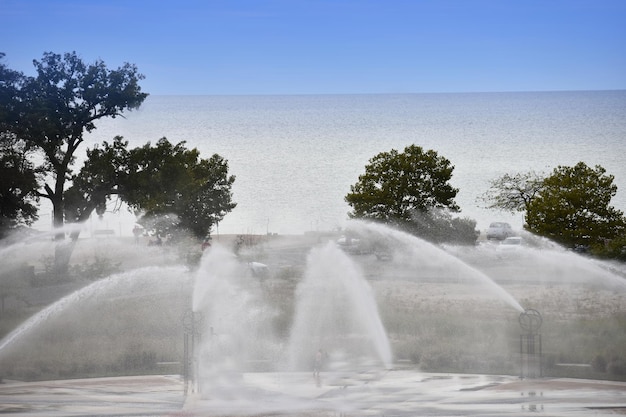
(530, 344)
(192, 325)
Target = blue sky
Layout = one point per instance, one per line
(331, 46)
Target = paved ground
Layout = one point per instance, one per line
(128, 396)
(394, 393)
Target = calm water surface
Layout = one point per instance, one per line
(295, 157)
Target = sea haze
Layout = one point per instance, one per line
(295, 157)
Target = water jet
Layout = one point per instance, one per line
(420, 254)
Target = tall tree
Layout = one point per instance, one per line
(397, 183)
(53, 110)
(410, 190)
(170, 186)
(170, 179)
(573, 207)
(18, 181)
(97, 181)
(11, 83)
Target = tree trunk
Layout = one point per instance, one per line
(64, 249)
(62, 254)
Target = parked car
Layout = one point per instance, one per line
(499, 231)
(511, 246)
(258, 270)
(351, 245)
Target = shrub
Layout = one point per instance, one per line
(435, 361)
(616, 366)
(99, 268)
(138, 360)
(598, 363)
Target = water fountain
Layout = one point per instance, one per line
(236, 330)
(341, 303)
(337, 312)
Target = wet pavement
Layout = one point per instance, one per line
(388, 393)
(126, 396)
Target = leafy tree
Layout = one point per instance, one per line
(18, 182)
(18, 185)
(171, 180)
(409, 190)
(572, 207)
(169, 185)
(10, 84)
(396, 184)
(613, 249)
(513, 193)
(52, 111)
(99, 179)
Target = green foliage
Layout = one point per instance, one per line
(101, 267)
(97, 180)
(18, 180)
(51, 111)
(173, 189)
(612, 249)
(11, 83)
(410, 190)
(572, 207)
(171, 180)
(18, 185)
(397, 184)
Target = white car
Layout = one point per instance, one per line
(510, 244)
(499, 230)
(258, 270)
(350, 245)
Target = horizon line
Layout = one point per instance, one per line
(387, 93)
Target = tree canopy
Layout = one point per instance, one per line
(396, 184)
(171, 180)
(51, 111)
(169, 186)
(18, 185)
(410, 190)
(570, 206)
(48, 115)
(573, 207)
(18, 180)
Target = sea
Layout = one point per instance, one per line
(295, 156)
